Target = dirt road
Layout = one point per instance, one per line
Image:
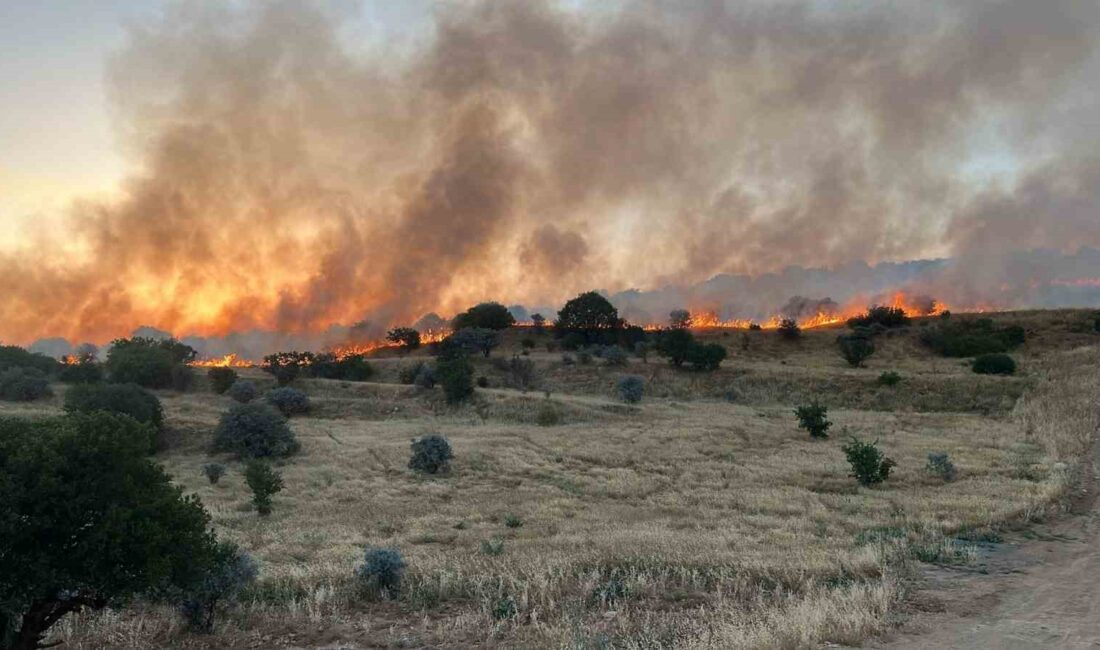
(1038, 589)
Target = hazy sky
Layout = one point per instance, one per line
(57, 141)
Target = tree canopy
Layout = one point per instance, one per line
(487, 315)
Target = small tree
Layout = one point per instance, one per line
(522, 373)
(630, 389)
(869, 465)
(539, 321)
(812, 418)
(641, 350)
(146, 362)
(382, 570)
(706, 357)
(855, 348)
(457, 377)
(254, 430)
(587, 314)
(87, 520)
(679, 319)
(264, 482)
(789, 329)
(406, 337)
(487, 315)
(221, 379)
(676, 345)
(289, 401)
(286, 366)
(473, 340)
(431, 454)
(213, 472)
(613, 355)
(231, 571)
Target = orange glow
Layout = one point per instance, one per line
(228, 361)
(357, 349)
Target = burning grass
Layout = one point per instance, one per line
(685, 521)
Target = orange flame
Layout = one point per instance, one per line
(228, 361)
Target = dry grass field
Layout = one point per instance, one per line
(700, 518)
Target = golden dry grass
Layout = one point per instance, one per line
(702, 518)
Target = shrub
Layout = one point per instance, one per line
(788, 329)
(13, 356)
(431, 454)
(953, 338)
(425, 376)
(351, 367)
(567, 359)
(679, 319)
(482, 381)
(146, 362)
(243, 391)
(85, 371)
(289, 401)
(513, 521)
(855, 348)
(614, 355)
(1096, 324)
(406, 337)
(641, 350)
(474, 340)
(528, 343)
(382, 570)
(487, 315)
(88, 521)
(182, 377)
(539, 321)
(254, 430)
(407, 374)
(940, 465)
(812, 418)
(547, 416)
(213, 472)
(457, 377)
(23, 385)
(994, 364)
(522, 373)
(869, 465)
(880, 315)
(889, 378)
(264, 482)
(706, 357)
(630, 389)
(121, 399)
(493, 546)
(231, 571)
(221, 379)
(505, 608)
(572, 341)
(676, 345)
(286, 366)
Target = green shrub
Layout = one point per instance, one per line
(547, 416)
(487, 315)
(407, 374)
(1096, 324)
(221, 379)
(87, 520)
(521, 374)
(788, 329)
(243, 391)
(889, 378)
(431, 454)
(286, 366)
(513, 521)
(505, 608)
(146, 362)
(676, 345)
(85, 371)
(528, 343)
(880, 315)
(994, 364)
(213, 472)
(630, 388)
(182, 377)
(425, 376)
(614, 355)
(482, 381)
(382, 570)
(960, 338)
(352, 367)
(264, 482)
(812, 418)
(706, 357)
(23, 385)
(567, 359)
(940, 465)
(289, 401)
(457, 377)
(254, 430)
(584, 357)
(122, 399)
(406, 337)
(855, 348)
(231, 571)
(13, 356)
(474, 340)
(869, 465)
(493, 546)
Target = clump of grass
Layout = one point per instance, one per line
(492, 547)
(547, 416)
(889, 378)
(513, 521)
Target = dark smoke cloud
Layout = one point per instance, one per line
(527, 151)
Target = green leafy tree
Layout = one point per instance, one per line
(13, 356)
(539, 321)
(475, 339)
(869, 464)
(120, 399)
(406, 337)
(676, 345)
(855, 348)
(789, 329)
(679, 319)
(487, 315)
(707, 356)
(812, 418)
(146, 362)
(264, 482)
(456, 375)
(88, 521)
(588, 311)
(286, 366)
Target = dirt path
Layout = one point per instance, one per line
(1040, 588)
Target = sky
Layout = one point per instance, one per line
(58, 140)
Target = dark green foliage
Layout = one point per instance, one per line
(13, 356)
(482, 381)
(880, 315)
(264, 482)
(182, 377)
(407, 374)
(676, 345)
(505, 608)
(940, 465)
(120, 399)
(528, 343)
(869, 465)
(567, 359)
(970, 338)
(547, 416)
(812, 418)
(994, 364)
(591, 319)
(87, 520)
(286, 366)
(492, 547)
(243, 391)
(487, 315)
(213, 472)
(456, 375)
(572, 341)
(889, 378)
(146, 362)
(221, 379)
(84, 371)
(382, 570)
(513, 521)
(425, 376)
(630, 388)
(254, 430)
(679, 319)
(1096, 324)
(351, 367)
(406, 337)
(230, 572)
(23, 384)
(855, 348)
(289, 401)
(473, 340)
(431, 454)
(788, 329)
(613, 355)
(707, 356)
